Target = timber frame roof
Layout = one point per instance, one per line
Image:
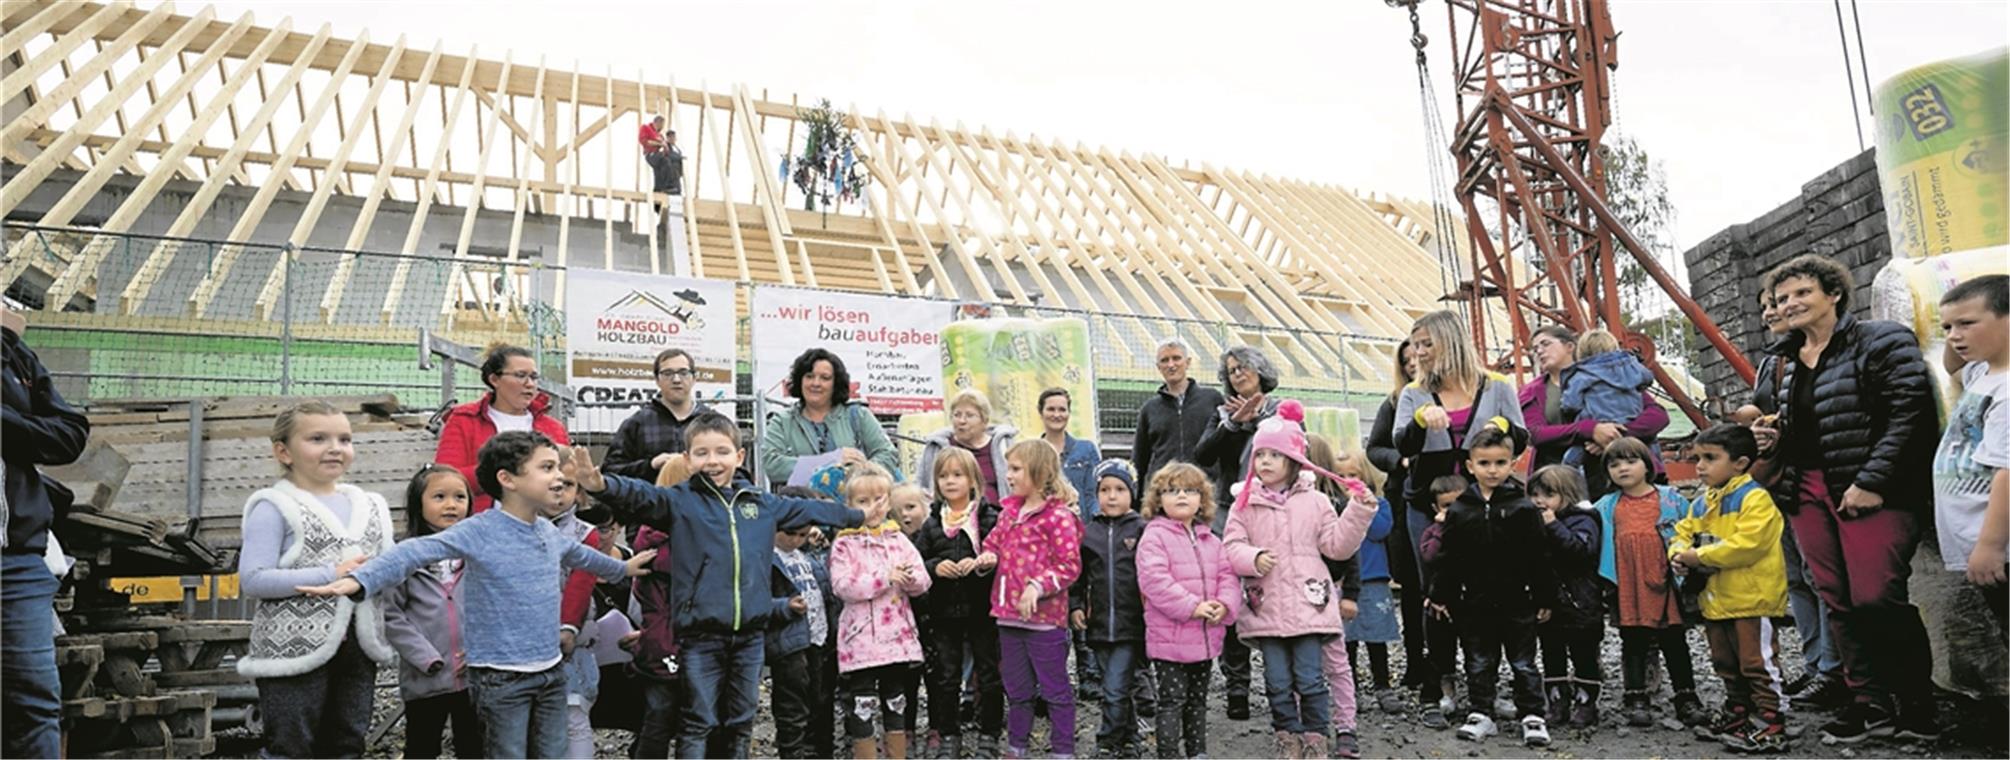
(952, 212)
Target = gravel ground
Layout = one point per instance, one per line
(1400, 735)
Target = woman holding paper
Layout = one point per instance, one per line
(826, 421)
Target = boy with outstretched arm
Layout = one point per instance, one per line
(721, 546)
(512, 636)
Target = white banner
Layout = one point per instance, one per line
(616, 323)
(892, 347)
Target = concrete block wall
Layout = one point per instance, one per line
(1839, 213)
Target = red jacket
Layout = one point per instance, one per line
(468, 426)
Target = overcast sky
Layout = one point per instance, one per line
(1742, 100)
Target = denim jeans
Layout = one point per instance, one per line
(1120, 663)
(1811, 614)
(523, 714)
(1294, 676)
(722, 689)
(661, 718)
(1484, 637)
(29, 688)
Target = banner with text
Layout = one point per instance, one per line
(892, 347)
(616, 323)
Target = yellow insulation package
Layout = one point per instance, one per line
(1013, 360)
(1941, 134)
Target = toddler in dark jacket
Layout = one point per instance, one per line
(1107, 606)
(1576, 625)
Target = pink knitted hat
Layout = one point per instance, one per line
(1284, 433)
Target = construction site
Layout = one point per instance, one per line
(209, 217)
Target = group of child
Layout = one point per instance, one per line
(946, 590)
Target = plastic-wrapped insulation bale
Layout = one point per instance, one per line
(1942, 131)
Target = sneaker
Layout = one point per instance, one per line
(1433, 718)
(1728, 722)
(1639, 714)
(1390, 700)
(1916, 725)
(1346, 745)
(1797, 683)
(1859, 721)
(1823, 692)
(1477, 727)
(1534, 731)
(1448, 706)
(1238, 707)
(1768, 733)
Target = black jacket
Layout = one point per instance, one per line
(651, 430)
(1574, 541)
(1169, 427)
(1494, 557)
(1107, 588)
(965, 597)
(1383, 455)
(40, 429)
(1876, 419)
(1224, 449)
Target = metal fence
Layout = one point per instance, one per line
(145, 316)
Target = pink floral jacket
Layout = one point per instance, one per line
(877, 625)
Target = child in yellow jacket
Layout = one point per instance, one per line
(1732, 536)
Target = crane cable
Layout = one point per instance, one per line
(1437, 149)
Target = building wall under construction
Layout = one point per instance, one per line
(1839, 213)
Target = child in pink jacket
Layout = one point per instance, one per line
(1191, 597)
(1279, 529)
(874, 569)
(1036, 548)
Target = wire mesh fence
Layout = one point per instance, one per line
(126, 316)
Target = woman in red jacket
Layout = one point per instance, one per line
(512, 403)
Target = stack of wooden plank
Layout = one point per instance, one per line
(153, 437)
(117, 706)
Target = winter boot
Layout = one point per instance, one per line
(1584, 708)
(896, 745)
(1312, 746)
(1638, 712)
(1558, 692)
(1238, 707)
(1689, 709)
(987, 747)
(1289, 746)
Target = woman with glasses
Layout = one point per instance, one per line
(513, 402)
(827, 419)
(1552, 431)
(970, 429)
(1249, 377)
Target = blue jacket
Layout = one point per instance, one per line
(722, 544)
(510, 575)
(1673, 509)
(42, 429)
(788, 632)
(1605, 387)
(1078, 464)
(1374, 554)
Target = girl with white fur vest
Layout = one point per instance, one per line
(314, 658)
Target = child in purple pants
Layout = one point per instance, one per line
(1036, 549)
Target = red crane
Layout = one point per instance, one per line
(1532, 88)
